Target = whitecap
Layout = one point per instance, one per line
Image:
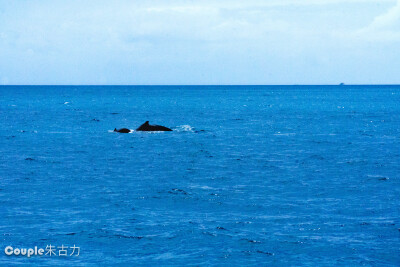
(284, 134)
(184, 128)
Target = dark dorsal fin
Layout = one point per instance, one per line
(143, 127)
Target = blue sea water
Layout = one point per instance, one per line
(251, 175)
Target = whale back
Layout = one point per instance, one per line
(122, 130)
(148, 128)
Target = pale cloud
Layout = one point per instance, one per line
(387, 20)
(384, 28)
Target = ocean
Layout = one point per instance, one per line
(250, 175)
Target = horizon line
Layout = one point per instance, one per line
(340, 84)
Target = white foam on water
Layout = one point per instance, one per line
(284, 134)
(184, 128)
(377, 176)
(205, 187)
(150, 132)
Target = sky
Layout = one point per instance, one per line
(158, 42)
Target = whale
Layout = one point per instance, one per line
(122, 130)
(146, 127)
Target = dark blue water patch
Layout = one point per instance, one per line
(274, 175)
